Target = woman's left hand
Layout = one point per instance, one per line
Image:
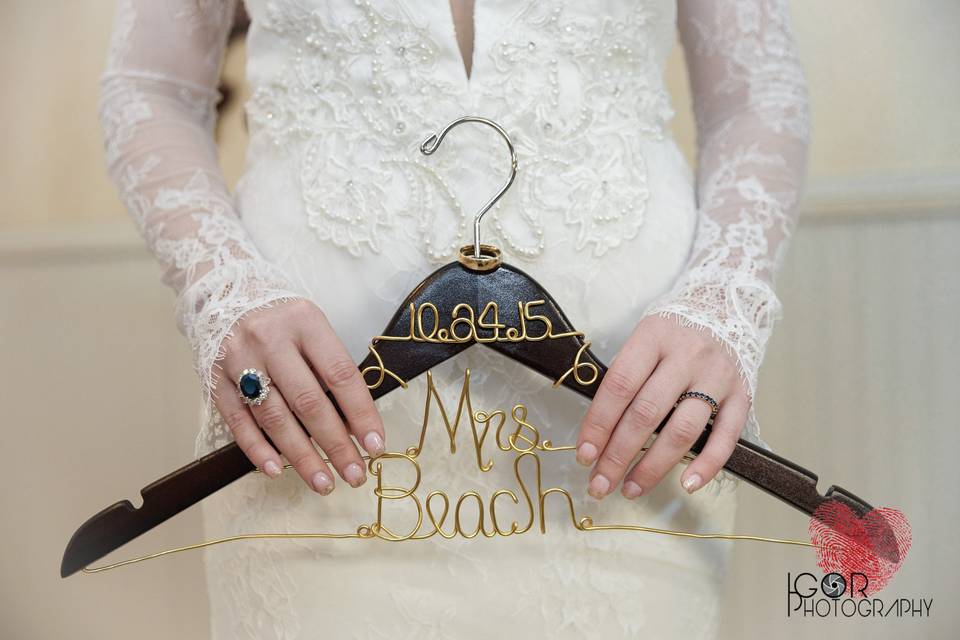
(659, 361)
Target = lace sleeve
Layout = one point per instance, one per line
(157, 109)
(751, 109)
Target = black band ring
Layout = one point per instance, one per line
(714, 405)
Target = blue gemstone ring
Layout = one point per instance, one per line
(253, 386)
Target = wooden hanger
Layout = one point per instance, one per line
(477, 279)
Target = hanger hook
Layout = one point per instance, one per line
(432, 143)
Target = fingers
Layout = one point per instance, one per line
(727, 427)
(277, 421)
(330, 359)
(686, 424)
(309, 402)
(642, 416)
(632, 366)
(245, 431)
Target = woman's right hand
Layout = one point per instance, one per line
(293, 343)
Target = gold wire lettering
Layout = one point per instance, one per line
(426, 326)
(531, 449)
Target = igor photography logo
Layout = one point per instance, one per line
(836, 595)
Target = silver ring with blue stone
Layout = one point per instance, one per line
(253, 386)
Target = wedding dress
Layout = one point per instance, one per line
(336, 204)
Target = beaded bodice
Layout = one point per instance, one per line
(343, 93)
(580, 86)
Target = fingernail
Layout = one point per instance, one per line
(599, 486)
(354, 475)
(586, 454)
(272, 469)
(322, 483)
(373, 443)
(631, 489)
(692, 483)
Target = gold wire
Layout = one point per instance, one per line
(524, 441)
(210, 543)
(419, 333)
(427, 315)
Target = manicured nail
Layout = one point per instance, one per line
(586, 454)
(631, 489)
(599, 486)
(354, 475)
(373, 443)
(692, 483)
(272, 469)
(322, 483)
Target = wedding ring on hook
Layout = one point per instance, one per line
(488, 261)
(714, 405)
(253, 386)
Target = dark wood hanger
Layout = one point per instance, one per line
(476, 279)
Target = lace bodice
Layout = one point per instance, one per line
(349, 91)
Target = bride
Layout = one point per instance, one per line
(337, 217)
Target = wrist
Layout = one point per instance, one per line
(208, 310)
(739, 312)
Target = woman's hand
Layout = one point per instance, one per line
(659, 361)
(294, 344)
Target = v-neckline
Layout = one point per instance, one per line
(464, 73)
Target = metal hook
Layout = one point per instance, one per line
(432, 143)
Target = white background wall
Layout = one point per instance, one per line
(859, 384)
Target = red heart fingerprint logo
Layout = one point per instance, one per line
(846, 543)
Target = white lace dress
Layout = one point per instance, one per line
(336, 204)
